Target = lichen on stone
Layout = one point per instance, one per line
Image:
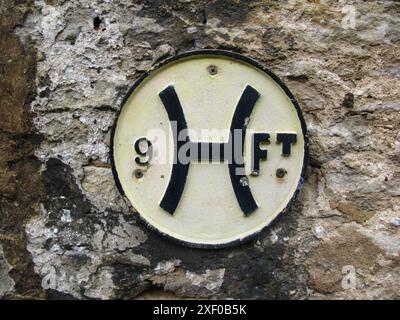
(67, 232)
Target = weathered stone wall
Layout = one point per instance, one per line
(65, 67)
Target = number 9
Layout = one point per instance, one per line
(147, 153)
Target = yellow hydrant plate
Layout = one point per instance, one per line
(209, 147)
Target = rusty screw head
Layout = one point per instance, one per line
(212, 70)
(280, 172)
(138, 173)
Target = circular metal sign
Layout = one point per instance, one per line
(209, 148)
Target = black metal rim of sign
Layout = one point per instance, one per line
(235, 56)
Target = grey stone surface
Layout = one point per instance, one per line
(6, 282)
(88, 55)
